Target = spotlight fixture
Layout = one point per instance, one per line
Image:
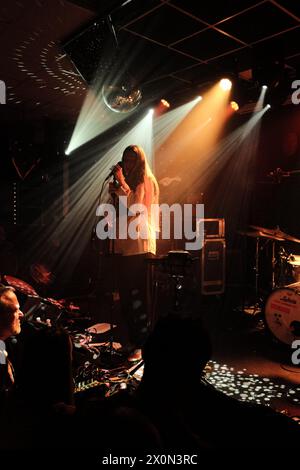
(225, 84)
(264, 87)
(151, 112)
(277, 75)
(234, 105)
(165, 103)
(67, 152)
(268, 106)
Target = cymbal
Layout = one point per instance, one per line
(259, 234)
(247, 233)
(261, 229)
(291, 238)
(276, 232)
(54, 302)
(114, 345)
(295, 284)
(100, 328)
(19, 285)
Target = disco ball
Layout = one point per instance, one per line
(121, 98)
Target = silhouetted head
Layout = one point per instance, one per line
(175, 346)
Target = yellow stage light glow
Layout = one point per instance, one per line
(234, 105)
(165, 103)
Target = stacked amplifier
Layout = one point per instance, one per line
(212, 257)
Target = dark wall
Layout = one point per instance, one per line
(276, 199)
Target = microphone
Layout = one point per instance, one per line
(112, 170)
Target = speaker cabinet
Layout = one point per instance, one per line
(213, 228)
(213, 266)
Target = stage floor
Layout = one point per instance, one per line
(248, 363)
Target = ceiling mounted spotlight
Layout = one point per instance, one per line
(275, 77)
(225, 84)
(165, 103)
(234, 105)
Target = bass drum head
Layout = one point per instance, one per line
(282, 314)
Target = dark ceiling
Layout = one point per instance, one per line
(172, 47)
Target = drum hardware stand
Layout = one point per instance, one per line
(283, 262)
(94, 278)
(113, 356)
(175, 264)
(283, 257)
(273, 265)
(257, 273)
(255, 309)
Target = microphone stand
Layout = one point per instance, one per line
(94, 278)
(115, 295)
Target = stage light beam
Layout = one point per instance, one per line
(73, 228)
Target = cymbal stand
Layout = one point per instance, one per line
(178, 264)
(256, 305)
(113, 355)
(255, 308)
(283, 276)
(273, 283)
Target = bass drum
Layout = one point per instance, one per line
(282, 313)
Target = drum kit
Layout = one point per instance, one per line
(43, 311)
(39, 310)
(282, 306)
(89, 342)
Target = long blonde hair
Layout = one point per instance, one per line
(142, 173)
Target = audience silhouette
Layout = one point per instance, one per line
(186, 410)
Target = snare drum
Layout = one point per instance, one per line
(282, 313)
